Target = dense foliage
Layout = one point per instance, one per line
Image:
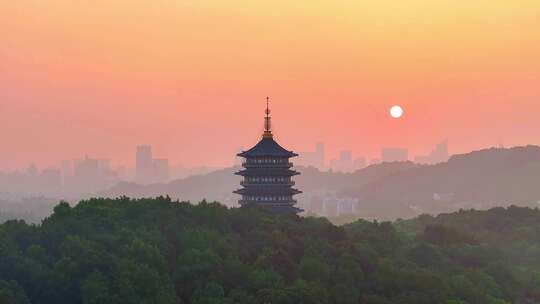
(160, 251)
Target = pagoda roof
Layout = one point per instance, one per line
(267, 191)
(267, 172)
(286, 208)
(282, 209)
(267, 146)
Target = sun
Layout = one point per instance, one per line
(396, 111)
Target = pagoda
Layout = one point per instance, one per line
(268, 174)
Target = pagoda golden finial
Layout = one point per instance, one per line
(267, 125)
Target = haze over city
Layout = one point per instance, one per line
(250, 152)
(190, 77)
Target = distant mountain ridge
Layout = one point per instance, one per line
(218, 185)
(479, 179)
(495, 175)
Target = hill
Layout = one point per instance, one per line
(214, 186)
(218, 185)
(162, 251)
(480, 179)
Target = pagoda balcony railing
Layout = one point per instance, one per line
(283, 203)
(266, 165)
(287, 183)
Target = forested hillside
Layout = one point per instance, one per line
(485, 178)
(161, 251)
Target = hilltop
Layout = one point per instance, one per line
(480, 179)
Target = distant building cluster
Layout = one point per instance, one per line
(331, 205)
(149, 170)
(389, 155)
(45, 182)
(74, 178)
(87, 175)
(77, 178)
(345, 162)
(438, 155)
(313, 158)
(80, 177)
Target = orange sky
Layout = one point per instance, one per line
(190, 77)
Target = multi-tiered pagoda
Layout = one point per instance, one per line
(268, 174)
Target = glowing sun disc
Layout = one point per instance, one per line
(396, 111)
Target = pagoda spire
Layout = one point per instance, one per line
(267, 121)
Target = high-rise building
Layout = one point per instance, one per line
(161, 170)
(313, 158)
(67, 169)
(149, 170)
(394, 155)
(346, 163)
(144, 166)
(50, 181)
(268, 175)
(345, 156)
(87, 177)
(104, 164)
(437, 155)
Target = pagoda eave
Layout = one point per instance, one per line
(267, 172)
(267, 192)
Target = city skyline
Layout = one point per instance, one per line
(147, 169)
(185, 76)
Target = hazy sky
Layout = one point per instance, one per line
(190, 77)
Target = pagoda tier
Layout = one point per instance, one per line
(260, 172)
(271, 191)
(267, 175)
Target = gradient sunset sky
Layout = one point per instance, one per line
(99, 77)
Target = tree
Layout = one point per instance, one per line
(12, 293)
(96, 289)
